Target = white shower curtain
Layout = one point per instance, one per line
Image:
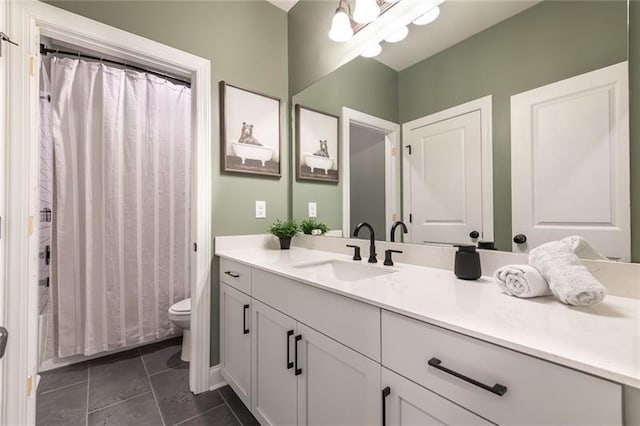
(122, 197)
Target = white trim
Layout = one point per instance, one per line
(216, 380)
(484, 105)
(27, 19)
(391, 166)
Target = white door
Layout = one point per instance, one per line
(445, 180)
(570, 162)
(3, 99)
(273, 380)
(408, 404)
(337, 386)
(235, 341)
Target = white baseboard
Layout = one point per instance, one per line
(215, 377)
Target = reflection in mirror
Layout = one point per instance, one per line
(527, 47)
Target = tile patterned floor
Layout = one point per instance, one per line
(145, 386)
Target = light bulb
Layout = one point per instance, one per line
(397, 35)
(366, 11)
(371, 51)
(428, 17)
(340, 26)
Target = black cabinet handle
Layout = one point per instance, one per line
(298, 371)
(520, 239)
(497, 389)
(474, 234)
(245, 330)
(289, 362)
(385, 393)
(232, 274)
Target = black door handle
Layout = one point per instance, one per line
(385, 393)
(496, 389)
(4, 337)
(474, 234)
(298, 371)
(245, 330)
(289, 362)
(520, 239)
(232, 274)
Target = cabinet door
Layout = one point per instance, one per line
(235, 341)
(410, 404)
(273, 380)
(336, 385)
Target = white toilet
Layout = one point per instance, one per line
(180, 316)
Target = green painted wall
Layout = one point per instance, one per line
(546, 43)
(252, 56)
(364, 85)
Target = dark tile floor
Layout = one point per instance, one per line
(145, 386)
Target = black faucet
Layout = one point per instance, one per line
(393, 229)
(372, 240)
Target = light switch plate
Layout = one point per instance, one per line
(261, 209)
(313, 209)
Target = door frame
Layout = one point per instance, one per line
(27, 20)
(484, 105)
(391, 166)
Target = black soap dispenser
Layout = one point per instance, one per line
(467, 263)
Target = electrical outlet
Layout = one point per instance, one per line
(313, 210)
(261, 209)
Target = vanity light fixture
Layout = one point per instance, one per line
(371, 51)
(428, 17)
(398, 35)
(366, 11)
(341, 29)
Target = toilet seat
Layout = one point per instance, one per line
(182, 307)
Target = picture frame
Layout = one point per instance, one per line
(317, 146)
(250, 139)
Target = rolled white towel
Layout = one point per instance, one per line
(582, 248)
(522, 281)
(568, 278)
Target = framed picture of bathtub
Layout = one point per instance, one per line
(316, 145)
(249, 131)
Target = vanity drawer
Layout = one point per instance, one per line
(537, 392)
(236, 275)
(350, 322)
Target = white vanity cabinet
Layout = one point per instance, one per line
(408, 404)
(303, 377)
(498, 384)
(296, 374)
(235, 340)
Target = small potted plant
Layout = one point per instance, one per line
(284, 230)
(307, 226)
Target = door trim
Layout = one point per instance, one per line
(484, 105)
(391, 166)
(27, 20)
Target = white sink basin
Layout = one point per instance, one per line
(343, 271)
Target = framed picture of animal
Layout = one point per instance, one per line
(249, 132)
(317, 151)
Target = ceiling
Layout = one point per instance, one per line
(458, 20)
(285, 5)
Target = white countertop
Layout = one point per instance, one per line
(603, 340)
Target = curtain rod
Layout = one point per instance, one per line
(44, 50)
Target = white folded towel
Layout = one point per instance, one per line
(582, 248)
(522, 281)
(568, 278)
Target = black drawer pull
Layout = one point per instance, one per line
(385, 393)
(289, 362)
(245, 330)
(298, 371)
(497, 389)
(232, 274)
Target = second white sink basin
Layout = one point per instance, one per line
(342, 270)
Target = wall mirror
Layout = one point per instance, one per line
(437, 129)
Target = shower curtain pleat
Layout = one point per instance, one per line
(122, 151)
